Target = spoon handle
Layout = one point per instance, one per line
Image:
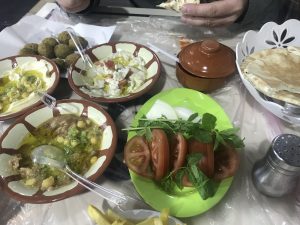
(47, 99)
(79, 47)
(112, 196)
(157, 49)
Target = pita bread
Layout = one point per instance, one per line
(176, 4)
(275, 72)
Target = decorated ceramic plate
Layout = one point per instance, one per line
(122, 71)
(22, 80)
(186, 202)
(81, 129)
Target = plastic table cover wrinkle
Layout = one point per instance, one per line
(242, 204)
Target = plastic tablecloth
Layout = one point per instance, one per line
(242, 204)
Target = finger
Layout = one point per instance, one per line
(208, 22)
(210, 10)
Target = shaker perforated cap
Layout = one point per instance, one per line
(285, 152)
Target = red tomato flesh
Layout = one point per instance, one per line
(206, 164)
(178, 152)
(226, 162)
(137, 156)
(160, 156)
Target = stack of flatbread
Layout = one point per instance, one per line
(176, 4)
(275, 73)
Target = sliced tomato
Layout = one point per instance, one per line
(178, 151)
(206, 164)
(226, 162)
(160, 155)
(137, 156)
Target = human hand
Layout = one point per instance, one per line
(73, 6)
(214, 14)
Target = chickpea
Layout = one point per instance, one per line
(93, 159)
(81, 124)
(66, 142)
(93, 140)
(29, 89)
(74, 143)
(60, 139)
(16, 94)
(25, 95)
(30, 182)
(9, 94)
(47, 183)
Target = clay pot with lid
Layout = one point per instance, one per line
(205, 66)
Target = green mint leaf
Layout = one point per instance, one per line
(208, 121)
(203, 136)
(194, 158)
(229, 136)
(167, 184)
(236, 142)
(194, 169)
(205, 187)
(229, 131)
(148, 134)
(179, 176)
(141, 132)
(192, 117)
(218, 140)
(191, 177)
(208, 189)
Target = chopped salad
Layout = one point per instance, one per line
(117, 75)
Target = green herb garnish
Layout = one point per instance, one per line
(204, 131)
(205, 186)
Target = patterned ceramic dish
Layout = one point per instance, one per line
(11, 140)
(151, 64)
(50, 76)
(271, 35)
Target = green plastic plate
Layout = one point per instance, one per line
(186, 202)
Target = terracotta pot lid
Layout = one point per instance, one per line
(208, 58)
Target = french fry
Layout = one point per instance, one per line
(149, 221)
(164, 216)
(97, 216)
(118, 222)
(157, 221)
(112, 216)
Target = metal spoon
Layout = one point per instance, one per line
(54, 157)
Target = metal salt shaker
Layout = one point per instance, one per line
(276, 174)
